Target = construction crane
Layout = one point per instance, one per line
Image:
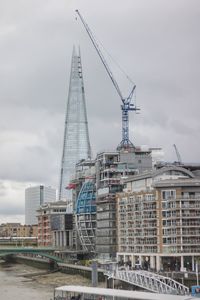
(178, 154)
(127, 105)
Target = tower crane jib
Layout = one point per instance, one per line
(126, 105)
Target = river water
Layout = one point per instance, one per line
(14, 286)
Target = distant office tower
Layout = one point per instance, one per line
(76, 144)
(34, 197)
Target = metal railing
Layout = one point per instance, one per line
(149, 281)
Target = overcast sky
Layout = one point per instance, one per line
(156, 42)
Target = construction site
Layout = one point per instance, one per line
(133, 207)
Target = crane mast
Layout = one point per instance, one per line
(126, 105)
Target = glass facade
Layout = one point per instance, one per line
(86, 216)
(34, 197)
(76, 137)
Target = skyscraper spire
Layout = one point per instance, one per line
(76, 144)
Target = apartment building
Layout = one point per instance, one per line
(18, 230)
(55, 225)
(158, 220)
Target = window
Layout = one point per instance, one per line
(149, 197)
(168, 194)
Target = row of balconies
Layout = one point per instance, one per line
(182, 199)
(180, 249)
(176, 205)
(184, 232)
(191, 214)
(137, 209)
(140, 244)
(131, 201)
(154, 249)
(177, 241)
(190, 223)
(154, 242)
(136, 222)
(135, 249)
(190, 206)
(153, 233)
(176, 212)
(140, 235)
(194, 249)
(181, 217)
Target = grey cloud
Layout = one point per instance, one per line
(182, 128)
(11, 208)
(156, 42)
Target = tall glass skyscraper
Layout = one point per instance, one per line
(76, 144)
(34, 197)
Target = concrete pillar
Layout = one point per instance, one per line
(158, 263)
(94, 274)
(152, 262)
(57, 238)
(60, 238)
(54, 238)
(193, 263)
(182, 264)
(117, 257)
(133, 260)
(70, 238)
(65, 240)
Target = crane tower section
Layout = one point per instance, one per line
(127, 103)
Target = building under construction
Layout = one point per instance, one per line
(95, 185)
